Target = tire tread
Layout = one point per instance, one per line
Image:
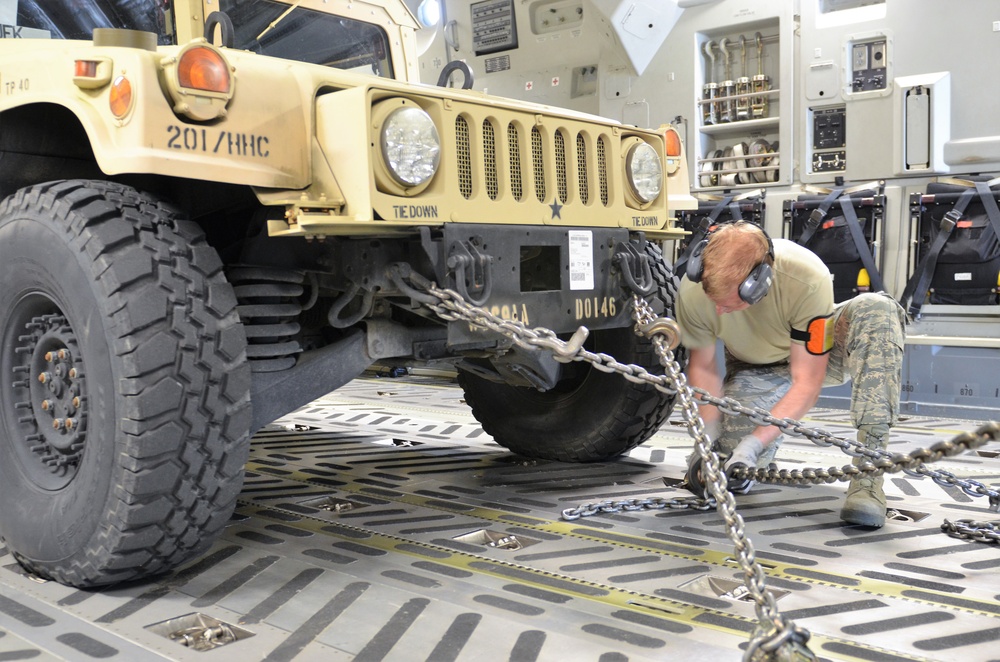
(183, 379)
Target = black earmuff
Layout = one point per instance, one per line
(695, 267)
(757, 284)
(753, 288)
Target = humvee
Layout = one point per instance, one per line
(215, 212)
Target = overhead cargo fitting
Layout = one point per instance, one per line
(639, 27)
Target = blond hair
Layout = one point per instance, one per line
(733, 251)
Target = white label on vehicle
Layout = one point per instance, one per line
(965, 276)
(581, 260)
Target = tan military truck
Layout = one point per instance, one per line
(198, 236)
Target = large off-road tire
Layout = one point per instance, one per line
(590, 415)
(124, 400)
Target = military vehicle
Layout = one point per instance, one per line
(215, 212)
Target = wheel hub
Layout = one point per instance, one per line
(49, 375)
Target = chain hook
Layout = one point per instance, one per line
(785, 642)
(564, 351)
(665, 327)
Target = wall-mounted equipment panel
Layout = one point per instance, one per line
(828, 139)
(493, 26)
(868, 66)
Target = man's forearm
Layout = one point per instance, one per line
(703, 373)
(808, 372)
(795, 404)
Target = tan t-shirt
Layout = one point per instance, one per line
(802, 291)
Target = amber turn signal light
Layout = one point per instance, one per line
(672, 141)
(203, 69)
(672, 148)
(199, 81)
(120, 97)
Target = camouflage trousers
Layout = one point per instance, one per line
(868, 351)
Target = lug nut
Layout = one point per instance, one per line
(76, 402)
(70, 423)
(48, 356)
(57, 424)
(45, 378)
(73, 373)
(46, 405)
(63, 354)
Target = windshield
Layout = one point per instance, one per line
(77, 20)
(309, 36)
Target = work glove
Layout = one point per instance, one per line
(745, 454)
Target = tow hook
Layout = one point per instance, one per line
(473, 272)
(634, 267)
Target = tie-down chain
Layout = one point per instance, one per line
(775, 637)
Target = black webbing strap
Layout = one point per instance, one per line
(817, 215)
(727, 201)
(920, 282)
(734, 211)
(864, 250)
(703, 227)
(990, 204)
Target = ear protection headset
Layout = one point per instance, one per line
(754, 286)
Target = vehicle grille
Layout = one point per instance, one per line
(536, 162)
(513, 140)
(579, 165)
(581, 159)
(464, 157)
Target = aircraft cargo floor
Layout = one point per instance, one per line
(381, 523)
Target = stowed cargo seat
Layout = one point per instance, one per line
(714, 209)
(957, 251)
(843, 227)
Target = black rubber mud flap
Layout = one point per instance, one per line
(590, 415)
(124, 405)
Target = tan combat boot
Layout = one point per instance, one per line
(865, 502)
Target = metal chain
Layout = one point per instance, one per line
(610, 506)
(450, 306)
(775, 637)
(968, 529)
(774, 632)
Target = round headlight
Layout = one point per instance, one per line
(644, 171)
(410, 146)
